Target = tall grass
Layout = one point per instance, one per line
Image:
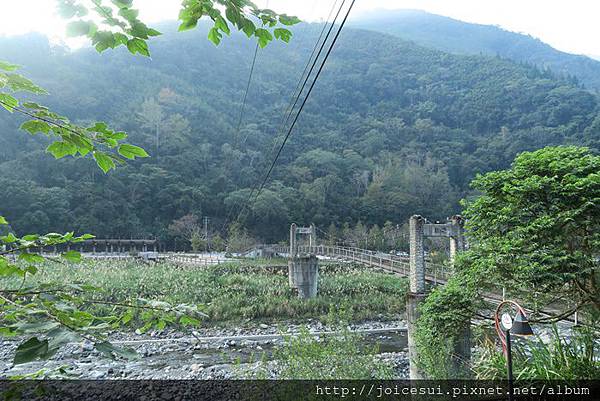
(234, 292)
(573, 358)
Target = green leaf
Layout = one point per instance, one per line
(68, 10)
(80, 28)
(31, 269)
(139, 30)
(137, 45)
(123, 3)
(288, 20)
(31, 257)
(127, 317)
(249, 28)
(129, 14)
(31, 350)
(105, 162)
(7, 270)
(61, 149)
(215, 36)
(131, 151)
(3, 221)
(189, 321)
(72, 256)
(32, 105)
(19, 83)
(36, 327)
(282, 34)
(153, 32)
(35, 126)
(104, 40)
(111, 351)
(60, 336)
(264, 37)
(120, 39)
(221, 24)
(187, 24)
(8, 239)
(8, 102)
(8, 66)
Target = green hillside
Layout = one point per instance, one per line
(393, 129)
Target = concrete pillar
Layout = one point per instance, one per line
(457, 239)
(303, 274)
(417, 255)
(416, 291)
(293, 250)
(312, 239)
(412, 314)
(461, 358)
(462, 347)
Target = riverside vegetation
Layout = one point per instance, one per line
(229, 293)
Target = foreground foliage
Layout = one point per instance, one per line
(52, 311)
(120, 25)
(573, 358)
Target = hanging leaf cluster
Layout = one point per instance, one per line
(106, 146)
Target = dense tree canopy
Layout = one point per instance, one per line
(534, 231)
(537, 225)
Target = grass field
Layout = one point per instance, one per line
(237, 291)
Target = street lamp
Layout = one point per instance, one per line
(505, 326)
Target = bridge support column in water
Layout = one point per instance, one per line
(303, 267)
(303, 274)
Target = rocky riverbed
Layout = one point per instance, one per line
(207, 353)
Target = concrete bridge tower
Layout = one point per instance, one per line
(303, 267)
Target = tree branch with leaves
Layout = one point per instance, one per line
(51, 315)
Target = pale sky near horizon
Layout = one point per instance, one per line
(570, 26)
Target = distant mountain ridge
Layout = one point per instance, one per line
(454, 36)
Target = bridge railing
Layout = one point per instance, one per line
(196, 259)
(388, 262)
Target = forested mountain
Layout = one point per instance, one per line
(392, 129)
(460, 37)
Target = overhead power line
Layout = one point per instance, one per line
(243, 108)
(294, 96)
(291, 128)
(307, 73)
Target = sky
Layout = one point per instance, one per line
(568, 25)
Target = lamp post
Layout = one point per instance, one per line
(505, 326)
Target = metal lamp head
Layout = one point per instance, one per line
(521, 325)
